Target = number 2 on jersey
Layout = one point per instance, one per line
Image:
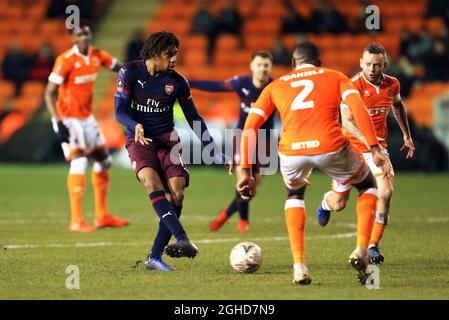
(299, 102)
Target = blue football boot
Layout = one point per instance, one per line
(157, 264)
(374, 256)
(323, 216)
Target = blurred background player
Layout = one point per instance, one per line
(248, 88)
(146, 92)
(308, 101)
(73, 77)
(379, 92)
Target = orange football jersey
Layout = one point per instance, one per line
(378, 100)
(308, 101)
(76, 74)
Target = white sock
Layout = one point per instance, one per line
(324, 203)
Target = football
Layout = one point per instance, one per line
(246, 257)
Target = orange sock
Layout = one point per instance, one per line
(75, 185)
(378, 229)
(366, 206)
(377, 233)
(295, 217)
(100, 181)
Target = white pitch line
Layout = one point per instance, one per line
(203, 241)
(207, 218)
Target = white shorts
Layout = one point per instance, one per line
(84, 136)
(376, 171)
(344, 166)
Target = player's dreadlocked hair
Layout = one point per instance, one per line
(159, 43)
(376, 48)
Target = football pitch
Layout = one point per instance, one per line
(37, 249)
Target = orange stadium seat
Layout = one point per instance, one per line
(226, 58)
(327, 41)
(13, 11)
(414, 25)
(27, 105)
(304, 10)
(435, 25)
(155, 26)
(393, 25)
(391, 10)
(271, 11)
(26, 27)
(166, 12)
(361, 41)
(420, 102)
(194, 58)
(37, 10)
(227, 42)
(258, 43)
(345, 41)
(61, 44)
(331, 57)
(221, 73)
(280, 71)
(198, 73)
(7, 26)
(10, 124)
(349, 10)
(195, 42)
(52, 27)
(434, 88)
(7, 89)
(246, 9)
(267, 29)
(178, 27)
(33, 88)
(29, 43)
(413, 10)
(289, 41)
(224, 108)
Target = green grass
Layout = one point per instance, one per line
(34, 211)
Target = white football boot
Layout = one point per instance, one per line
(359, 261)
(301, 274)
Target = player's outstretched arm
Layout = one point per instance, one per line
(108, 61)
(117, 67)
(348, 122)
(351, 97)
(400, 114)
(246, 185)
(194, 119)
(258, 114)
(211, 86)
